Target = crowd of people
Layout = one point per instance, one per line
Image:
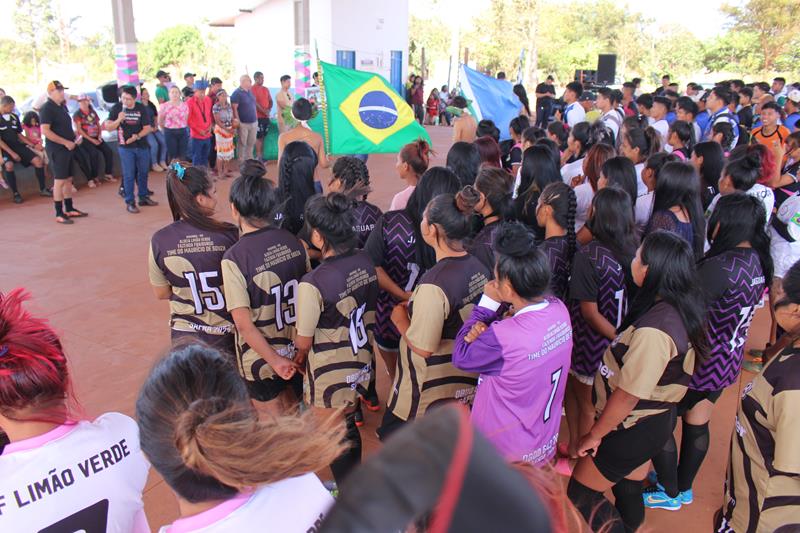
(606, 262)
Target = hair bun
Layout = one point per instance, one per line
(514, 240)
(467, 198)
(252, 168)
(338, 203)
(189, 422)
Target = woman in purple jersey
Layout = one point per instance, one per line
(523, 360)
(556, 214)
(401, 256)
(492, 197)
(735, 273)
(351, 178)
(599, 293)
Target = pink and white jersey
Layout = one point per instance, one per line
(86, 477)
(294, 505)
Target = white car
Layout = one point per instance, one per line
(100, 106)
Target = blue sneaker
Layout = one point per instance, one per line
(658, 499)
(686, 497)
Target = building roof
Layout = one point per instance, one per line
(228, 21)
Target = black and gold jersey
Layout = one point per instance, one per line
(763, 485)
(441, 302)
(652, 360)
(261, 272)
(336, 307)
(188, 260)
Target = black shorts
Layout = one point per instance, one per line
(693, 397)
(389, 425)
(25, 154)
(263, 127)
(624, 450)
(268, 389)
(60, 160)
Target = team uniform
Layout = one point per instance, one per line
(777, 137)
(275, 504)
(261, 273)
(391, 246)
(761, 491)
(764, 194)
(441, 302)
(87, 476)
(597, 276)
(481, 245)
(556, 249)
(784, 246)
(366, 216)
(189, 260)
(523, 363)
(734, 284)
(336, 307)
(652, 360)
(10, 130)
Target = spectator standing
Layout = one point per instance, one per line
(545, 92)
(573, 111)
(173, 120)
(224, 127)
(155, 140)
(131, 119)
(188, 78)
(771, 133)
(263, 110)
(162, 89)
(60, 147)
(792, 109)
(432, 107)
(16, 148)
(215, 85)
(284, 100)
(201, 124)
(87, 125)
(243, 102)
(418, 99)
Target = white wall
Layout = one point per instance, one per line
(264, 40)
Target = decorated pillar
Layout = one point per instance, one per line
(125, 56)
(302, 70)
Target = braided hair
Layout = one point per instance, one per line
(354, 175)
(296, 182)
(561, 198)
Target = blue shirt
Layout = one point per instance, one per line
(247, 105)
(671, 117)
(702, 120)
(791, 121)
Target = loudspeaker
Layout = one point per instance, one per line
(606, 69)
(110, 93)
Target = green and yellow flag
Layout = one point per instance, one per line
(362, 114)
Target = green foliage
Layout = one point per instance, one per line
(770, 21)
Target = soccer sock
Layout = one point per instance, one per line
(351, 457)
(694, 446)
(59, 208)
(666, 465)
(595, 508)
(372, 392)
(629, 503)
(11, 179)
(40, 178)
(68, 204)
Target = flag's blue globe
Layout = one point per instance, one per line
(377, 110)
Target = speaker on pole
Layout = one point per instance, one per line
(606, 69)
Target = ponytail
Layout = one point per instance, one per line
(417, 156)
(561, 198)
(184, 184)
(495, 184)
(452, 214)
(253, 196)
(332, 217)
(296, 182)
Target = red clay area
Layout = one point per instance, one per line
(90, 280)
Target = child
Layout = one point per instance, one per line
(224, 130)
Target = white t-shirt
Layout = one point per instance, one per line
(87, 476)
(517, 182)
(294, 505)
(644, 208)
(570, 170)
(574, 114)
(400, 200)
(612, 121)
(662, 127)
(583, 200)
(764, 194)
(641, 188)
(697, 132)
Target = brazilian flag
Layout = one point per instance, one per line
(362, 113)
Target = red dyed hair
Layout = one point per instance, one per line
(417, 155)
(489, 150)
(33, 368)
(768, 163)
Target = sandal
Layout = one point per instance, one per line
(64, 220)
(76, 214)
(92, 184)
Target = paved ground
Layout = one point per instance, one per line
(90, 280)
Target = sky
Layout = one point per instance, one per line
(152, 16)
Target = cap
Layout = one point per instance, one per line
(83, 96)
(55, 86)
(215, 80)
(587, 96)
(794, 96)
(192, 74)
(161, 74)
(201, 84)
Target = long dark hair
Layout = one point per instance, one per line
(537, 172)
(495, 184)
(520, 261)
(711, 169)
(452, 213)
(744, 170)
(184, 184)
(296, 182)
(677, 185)
(464, 159)
(332, 217)
(620, 172)
(522, 94)
(612, 223)
(561, 198)
(435, 181)
(647, 140)
(354, 175)
(740, 218)
(255, 198)
(672, 278)
(685, 133)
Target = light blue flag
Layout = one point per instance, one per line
(491, 98)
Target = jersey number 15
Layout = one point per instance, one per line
(206, 296)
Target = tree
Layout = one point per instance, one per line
(772, 21)
(35, 22)
(171, 48)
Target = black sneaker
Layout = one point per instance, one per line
(358, 416)
(149, 193)
(147, 202)
(131, 208)
(18, 198)
(121, 192)
(46, 192)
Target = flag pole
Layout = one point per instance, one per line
(323, 101)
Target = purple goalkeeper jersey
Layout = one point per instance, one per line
(523, 363)
(556, 249)
(735, 285)
(597, 276)
(365, 215)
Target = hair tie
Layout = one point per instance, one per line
(3, 350)
(179, 170)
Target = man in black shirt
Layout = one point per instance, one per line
(15, 148)
(132, 121)
(545, 92)
(60, 147)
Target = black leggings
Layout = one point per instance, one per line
(87, 159)
(104, 150)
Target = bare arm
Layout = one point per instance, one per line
(256, 340)
(402, 322)
(162, 292)
(619, 406)
(597, 321)
(50, 135)
(386, 283)
(235, 108)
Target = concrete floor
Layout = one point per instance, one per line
(90, 280)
